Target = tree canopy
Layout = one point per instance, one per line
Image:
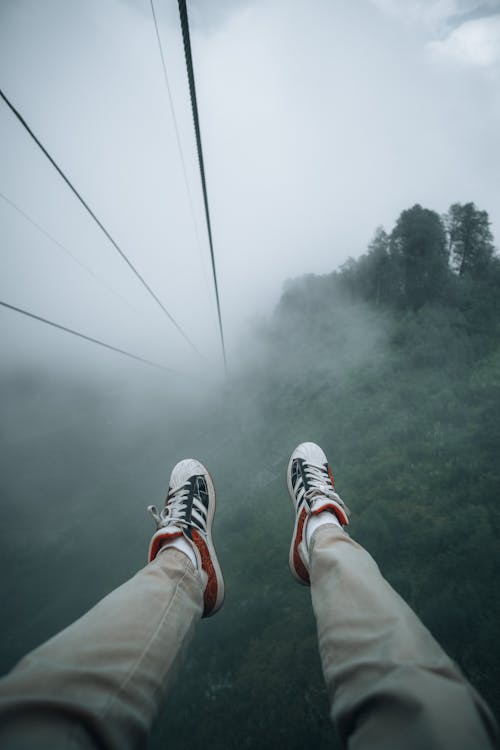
(470, 239)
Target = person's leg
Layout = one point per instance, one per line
(99, 683)
(390, 684)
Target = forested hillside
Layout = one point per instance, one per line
(392, 364)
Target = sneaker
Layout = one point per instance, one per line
(189, 513)
(312, 489)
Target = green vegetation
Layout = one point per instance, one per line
(392, 364)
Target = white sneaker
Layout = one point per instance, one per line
(189, 512)
(312, 490)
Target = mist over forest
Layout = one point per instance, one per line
(391, 363)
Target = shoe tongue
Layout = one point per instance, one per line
(173, 529)
(319, 503)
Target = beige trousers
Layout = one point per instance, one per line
(99, 683)
(391, 686)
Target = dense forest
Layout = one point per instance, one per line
(392, 364)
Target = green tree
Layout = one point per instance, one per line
(372, 276)
(419, 252)
(470, 239)
(380, 268)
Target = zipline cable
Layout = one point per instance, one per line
(84, 336)
(178, 137)
(99, 224)
(194, 105)
(64, 249)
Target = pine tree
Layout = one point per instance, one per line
(470, 239)
(419, 251)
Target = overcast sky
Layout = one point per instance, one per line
(321, 119)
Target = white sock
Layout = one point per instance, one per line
(314, 522)
(182, 545)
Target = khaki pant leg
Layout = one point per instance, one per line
(99, 683)
(390, 684)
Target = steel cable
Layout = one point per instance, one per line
(84, 336)
(98, 222)
(194, 105)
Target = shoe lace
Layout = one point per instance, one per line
(320, 484)
(174, 512)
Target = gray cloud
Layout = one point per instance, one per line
(473, 13)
